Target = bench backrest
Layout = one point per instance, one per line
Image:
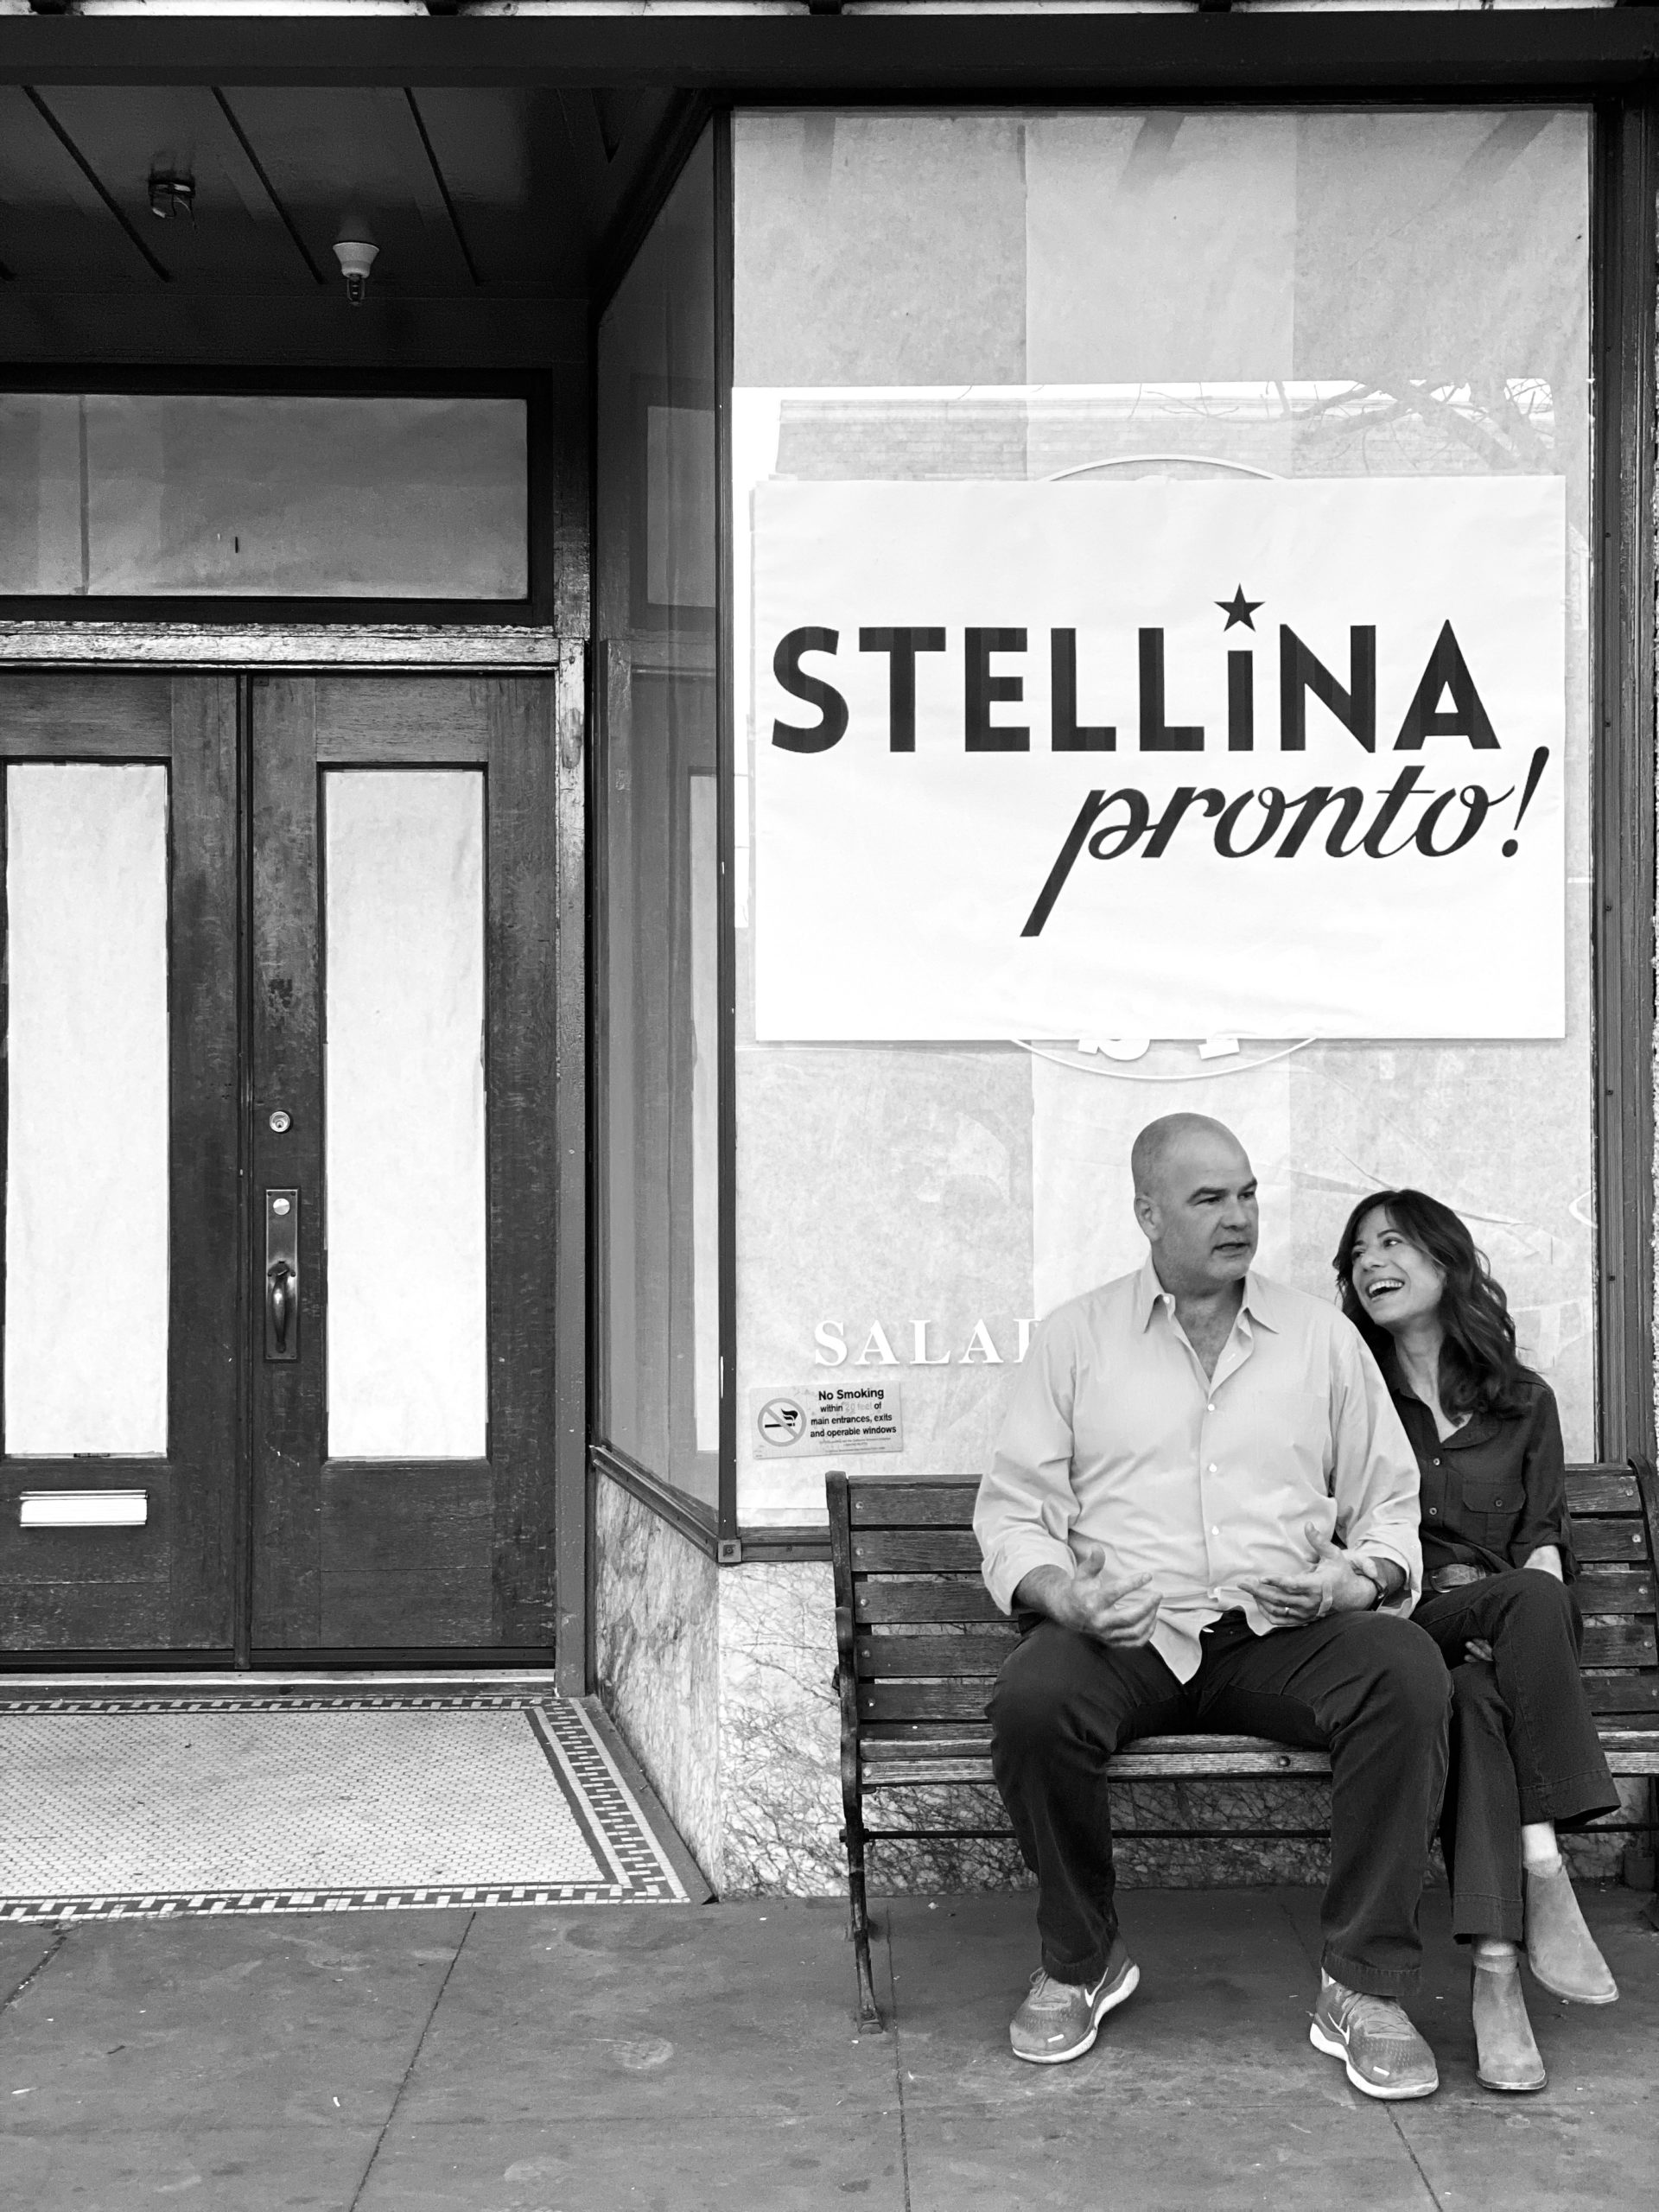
(921, 1641)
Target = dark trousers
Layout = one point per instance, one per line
(1369, 1688)
(1524, 1746)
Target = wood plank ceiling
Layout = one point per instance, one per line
(480, 196)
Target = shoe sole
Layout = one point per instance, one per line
(1514, 2088)
(1108, 2001)
(1569, 1996)
(1334, 2046)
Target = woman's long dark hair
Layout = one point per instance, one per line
(1480, 1370)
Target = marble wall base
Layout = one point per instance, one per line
(780, 1733)
(657, 1659)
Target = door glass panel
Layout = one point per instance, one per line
(404, 1138)
(86, 1163)
(228, 494)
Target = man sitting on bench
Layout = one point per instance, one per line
(1203, 1513)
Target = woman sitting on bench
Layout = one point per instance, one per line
(1498, 1566)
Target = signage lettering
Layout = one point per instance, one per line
(1329, 712)
(980, 1348)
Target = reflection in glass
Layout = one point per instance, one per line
(86, 1157)
(224, 494)
(658, 1164)
(404, 1145)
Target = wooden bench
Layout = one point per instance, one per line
(921, 1642)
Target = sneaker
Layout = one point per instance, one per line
(1060, 2020)
(1384, 2055)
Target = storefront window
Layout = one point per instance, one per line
(1339, 299)
(655, 973)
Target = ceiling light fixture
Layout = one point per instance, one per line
(356, 258)
(171, 194)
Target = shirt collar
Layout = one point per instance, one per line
(1263, 1300)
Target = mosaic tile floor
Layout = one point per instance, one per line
(150, 1807)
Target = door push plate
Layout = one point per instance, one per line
(282, 1275)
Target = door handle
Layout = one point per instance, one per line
(282, 1275)
(284, 1301)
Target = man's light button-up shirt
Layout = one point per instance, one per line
(1103, 1439)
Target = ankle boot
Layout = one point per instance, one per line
(1506, 2056)
(1561, 1949)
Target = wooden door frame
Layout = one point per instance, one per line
(48, 647)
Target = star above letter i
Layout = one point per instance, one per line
(1238, 609)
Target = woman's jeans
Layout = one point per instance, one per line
(1524, 1744)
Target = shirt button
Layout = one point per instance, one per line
(1437, 1463)
(1212, 1466)
(1215, 1532)
(1434, 1512)
(1209, 1410)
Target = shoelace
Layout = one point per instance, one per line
(1048, 1995)
(1378, 2016)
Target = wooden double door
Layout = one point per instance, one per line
(279, 1171)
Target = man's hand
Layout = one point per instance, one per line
(1332, 1585)
(1119, 1610)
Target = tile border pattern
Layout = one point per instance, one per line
(600, 1801)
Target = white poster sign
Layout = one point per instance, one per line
(1155, 759)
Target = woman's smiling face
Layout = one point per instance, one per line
(1394, 1281)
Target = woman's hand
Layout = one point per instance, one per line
(1478, 1648)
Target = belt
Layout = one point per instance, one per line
(1456, 1576)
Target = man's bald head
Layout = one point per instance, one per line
(1195, 1198)
(1162, 1140)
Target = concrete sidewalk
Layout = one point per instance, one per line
(677, 2058)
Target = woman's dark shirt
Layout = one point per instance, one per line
(1495, 1490)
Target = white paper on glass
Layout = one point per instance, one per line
(895, 889)
(86, 1164)
(405, 1159)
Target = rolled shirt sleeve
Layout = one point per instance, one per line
(1374, 1476)
(1027, 1506)
(1544, 1518)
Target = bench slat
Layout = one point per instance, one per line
(905, 1770)
(1619, 1643)
(890, 1740)
(958, 1700)
(1610, 1591)
(919, 1603)
(1623, 1693)
(1602, 1489)
(905, 1551)
(917, 1503)
(889, 1658)
(913, 1759)
(1614, 1538)
(1139, 1764)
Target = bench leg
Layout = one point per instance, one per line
(868, 2013)
(1650, 1910)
